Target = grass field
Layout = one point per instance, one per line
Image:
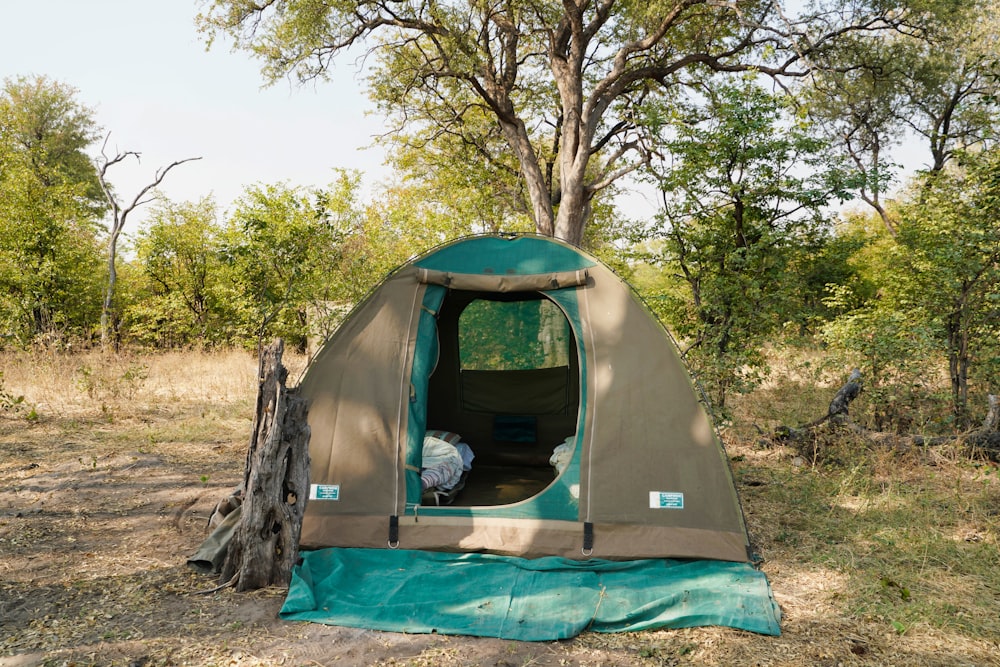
(110, 467)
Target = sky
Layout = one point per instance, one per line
(144, 70)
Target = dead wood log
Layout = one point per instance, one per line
(842, 399)
(985, 439)
(837, 412)
(265, 543)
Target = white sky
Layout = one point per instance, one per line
(144, 70)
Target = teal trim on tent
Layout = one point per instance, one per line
(491, 255)
(542, 599)
(560, 500)
(425, 356)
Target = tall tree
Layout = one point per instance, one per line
(952, 87)
(280, 245)
(45, 124)
(559, 81)
(940, 83)
(469, 178)
(937, 306)
(948, 261)
(181, 297)
(743, 190)
(858, 99)
(50, 205)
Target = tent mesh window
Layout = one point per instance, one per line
(513, 335)
(507, 380)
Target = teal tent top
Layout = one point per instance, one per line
(492, 255)
(541, 599)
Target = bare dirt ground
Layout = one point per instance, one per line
(103, 497)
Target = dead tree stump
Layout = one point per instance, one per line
(837, 413)
(841, 402)
(265, 544)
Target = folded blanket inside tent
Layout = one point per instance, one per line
(442, 464)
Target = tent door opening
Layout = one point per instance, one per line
(507, 380)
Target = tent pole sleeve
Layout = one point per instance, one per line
(592, 400)
(404, 403)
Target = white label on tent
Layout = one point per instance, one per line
(669, 500)
(324, 492)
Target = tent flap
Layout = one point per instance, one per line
(540, 599)
(504, 282)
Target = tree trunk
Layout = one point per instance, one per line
(958, 363)
(109, 318)
(119, 214)
(538, 191)
(265, 544)
(574, 206)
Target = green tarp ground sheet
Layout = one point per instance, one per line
(541, 599)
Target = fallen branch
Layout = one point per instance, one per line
(231, 582)
(986, 438)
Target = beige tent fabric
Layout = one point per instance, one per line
(529, 538)
(647, 431)
(358, 391)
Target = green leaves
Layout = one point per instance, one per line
(937, 282)
(50, 207)
(175, 298)
(742, 192)
(562, 87)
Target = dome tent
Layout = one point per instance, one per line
(517, 345)
(599, 498)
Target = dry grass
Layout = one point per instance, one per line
(127, 385)
(110, 466)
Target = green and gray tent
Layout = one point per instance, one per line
(588, 437)
(515, 344)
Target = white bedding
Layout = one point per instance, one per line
(442, 464)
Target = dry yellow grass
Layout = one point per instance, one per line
(66, 385)
(875, 558)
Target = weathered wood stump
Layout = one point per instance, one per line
(265, 544)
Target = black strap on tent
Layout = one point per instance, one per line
(588, 539)
(393, 532)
